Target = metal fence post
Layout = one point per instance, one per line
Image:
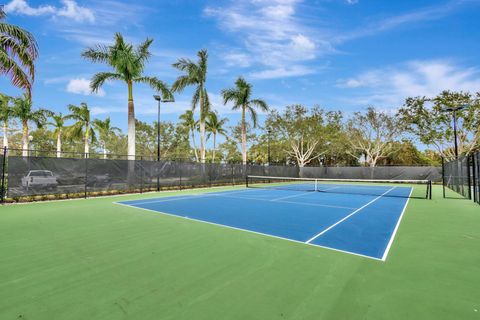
(443, 176)
(86, 176)
(4, 164)
(141, 174)
(469, 179)
(474, 177)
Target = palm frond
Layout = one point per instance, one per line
(157, 85)
(253, 115)
(182, 82)
(18, 77)
(99, 79)
(142, 51)
(25, 38)
(261, 104)
(99, 53)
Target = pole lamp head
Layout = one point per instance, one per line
(159, 99)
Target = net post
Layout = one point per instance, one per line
(430, 189)
(246, 181)
(4, 163)
(443, 176)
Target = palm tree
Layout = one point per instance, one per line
(22, 109)
(128, 64)
(241, 98)
(189, 122)
(18, 51)
(214, 126)
(6, 112)
(195, 75)
(83, 127)
(105, 131)
(58, 124)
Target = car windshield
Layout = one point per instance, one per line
(41, 174)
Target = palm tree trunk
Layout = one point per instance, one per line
(59, 144)
(244, 138)
(25, 138)
(104, 150)
(194, 144)
(131, 123)
(87, 140)
(214, 145)
(5, 134)
(202, 140)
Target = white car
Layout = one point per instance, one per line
(39, 179)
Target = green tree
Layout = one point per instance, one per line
(23, 110)
(241, 98)
(188, 121)
(83, 128)
(105, 131)
(371, 135)
(195, 74)
(303, 133)
(432, 124)
(128, 64)
(6, 113)
(58, 125)
(214, 126)
(18, 51)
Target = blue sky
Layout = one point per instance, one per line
(340, 54)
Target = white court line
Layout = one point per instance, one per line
(175, 198)
(267, 200)
(345, 218)
(250, 231)
(387, 249)
(291, 196)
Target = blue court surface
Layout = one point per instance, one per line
(362, 224)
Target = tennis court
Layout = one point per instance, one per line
(355, 218)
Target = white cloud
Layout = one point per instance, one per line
(22, 7)
(73, 11)
(351, 1)
(82, 86)
(70, 10)
(282, 72)
(390, 86)
(271, 35)
(237, 59)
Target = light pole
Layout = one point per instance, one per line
(159, 99)
(269, 132)
(454, 110)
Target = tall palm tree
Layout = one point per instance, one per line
(127, 64)
(18, 51)
(83, 127)
(6, 112)
(189, 122)
(23, 110)
(105, 131)
(195, 75)
(58, 124)
(214, 126)
(241, 98)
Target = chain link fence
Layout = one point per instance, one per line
(35, 177)
(461, 176)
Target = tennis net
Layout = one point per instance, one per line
(373, 187)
